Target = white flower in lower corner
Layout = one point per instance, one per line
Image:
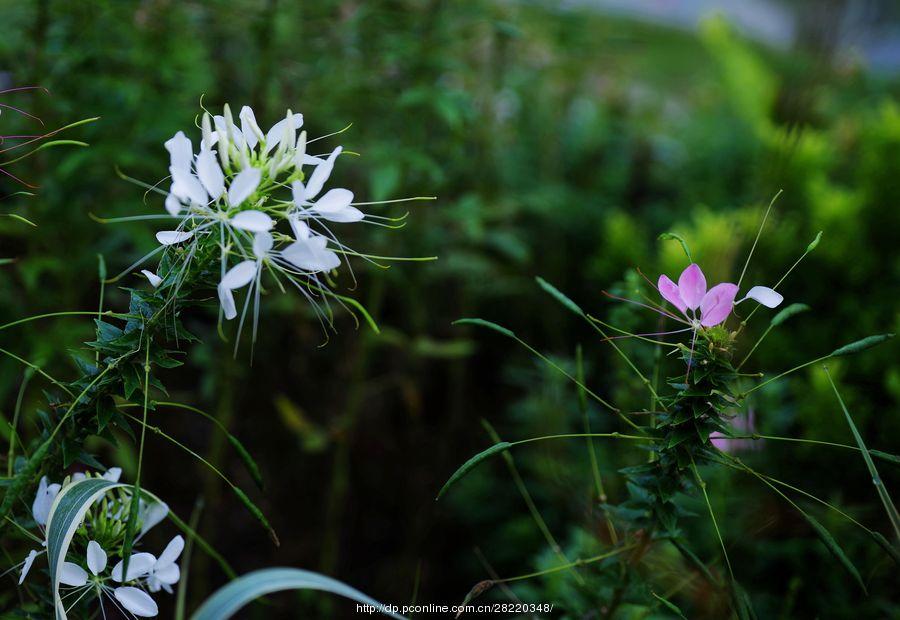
(165, 572)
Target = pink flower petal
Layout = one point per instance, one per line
(717, 304)
(669, 291)
(692, 286)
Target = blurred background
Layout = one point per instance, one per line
(560, 139)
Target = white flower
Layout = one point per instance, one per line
(139, 564)
(43, 500)
(309, 251)
(165, 572)
(150, 515)
(334, 206)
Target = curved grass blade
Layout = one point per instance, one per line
(558, 296)
(883, 494)
(471, 464)
(66, 514)
(232, 597)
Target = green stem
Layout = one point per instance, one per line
(573, 435)
(13, 432)
(785, 373)
(576, 563)
(595, 467)
(712, 516)
(758, 235)
(529, 502)
(131, 526)
(117, 315)
(38, 370)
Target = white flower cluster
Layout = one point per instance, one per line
(146, 572)
(233, 194)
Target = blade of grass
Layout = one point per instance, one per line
(883, 494)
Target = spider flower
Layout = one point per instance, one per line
(236, 198)
(708, 308)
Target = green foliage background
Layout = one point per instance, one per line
(559, 144)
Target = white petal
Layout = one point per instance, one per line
(188, 187)
(226, 300)
(78, 475)
(72, 575)
(298, 190)
(252, 220)
(170, 237)
(154, 279)
(239, 275)
(300, 228)
(262, 244)
(43, 501)
(347, 214)
(136, 601)
(113, 474)
(311, 255)
(252, 132)
(300, 150)
(766, 296)
(29, 560)
(243, 185)
(96, 557)
(276, 133)
(140, 564)
(151, 515)
(173, 204)
(209, 136)
(320, 175)
(210, 173)
(181, 151)
(334, 200)
(311, 160)
(168, 574)
(169, 554)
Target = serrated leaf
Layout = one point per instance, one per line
(472, 463)
(488, 324)
(861, 345)
(558, 296)
(787, 313)
(232, 597)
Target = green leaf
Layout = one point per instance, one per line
(883, 494)
(671, 606)
(861, 345)
(556, 294)
(66, 514)
(787, 313)
(232, 597)
(472, 463)
(668, 236)
(488, 324)
(886, 545)
(812, 244)
(835, 549)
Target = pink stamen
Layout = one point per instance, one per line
(15, 178)
(637, 303)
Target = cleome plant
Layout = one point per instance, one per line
(701, 417)
(249, 215)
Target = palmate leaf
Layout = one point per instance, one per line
(66, 514)
(232, 597)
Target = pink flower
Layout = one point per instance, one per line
(741, 426)
(715, 304)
